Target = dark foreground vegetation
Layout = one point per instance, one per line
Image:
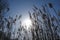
(45, 26)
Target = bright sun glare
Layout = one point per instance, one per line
(27, 23)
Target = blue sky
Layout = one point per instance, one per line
(23, 6)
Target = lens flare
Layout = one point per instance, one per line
(26, 23)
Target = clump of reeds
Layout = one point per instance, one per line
(46, 29)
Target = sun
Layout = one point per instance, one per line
(27, 23)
